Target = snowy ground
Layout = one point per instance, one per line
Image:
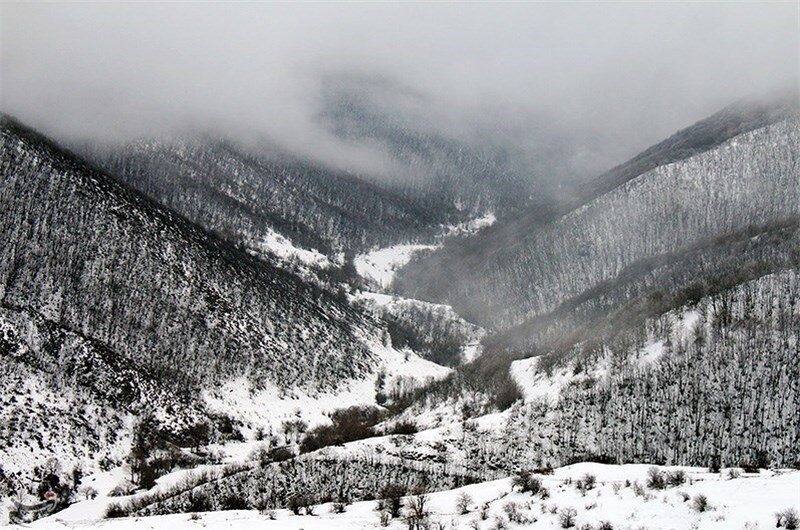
(269, 408)
(380, 265)
(747, 502)
(283, 248)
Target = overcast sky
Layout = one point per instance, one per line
(614, 77)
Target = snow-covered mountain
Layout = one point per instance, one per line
(113, 306)
(261, 311)
(732, 171)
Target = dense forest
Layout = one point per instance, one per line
(665, 199)
(96, 258)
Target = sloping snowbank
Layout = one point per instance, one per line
(748, 502)
(283, 248)
(267, 409)
(380, 265)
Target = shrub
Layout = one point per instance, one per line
(417, 511)
(700, 503)
(514, 514)
(499, 523)
(392, 495)
(338, 507)
(788, 519)
(656, 479)
(115, 509)
(676, 478)
(605, 525)
(566, 517)
(462, 503)
(403, 427)
(526, 481)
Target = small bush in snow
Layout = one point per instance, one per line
(115, 510)
(683, 495)
(463, 502)
(734, 473)
(500, 523)
(544, 493)
(676, 478)
(527, 482)
(656, 479)
(385, 518)
(338, 507)
(484, 511)
(588, 481)
(788, 519)
(514, 514)
(392, 496)
(269, 514)
(566, 517)
(700, 503)
(605, 525)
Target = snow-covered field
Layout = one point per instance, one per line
(284, 249)
(746, 502)
(380, 265)
(269, 408)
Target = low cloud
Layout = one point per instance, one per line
(594, 82)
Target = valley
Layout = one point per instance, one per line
(485, 269)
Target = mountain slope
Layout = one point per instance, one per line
(245, 198)
(112, 306)
(750, 179)
(505, 244)
(100, 259)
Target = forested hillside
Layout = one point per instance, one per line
(242, 197)
(95, 257)
(475, 175)
(713, 384)
(506, 261)
(670, 236)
